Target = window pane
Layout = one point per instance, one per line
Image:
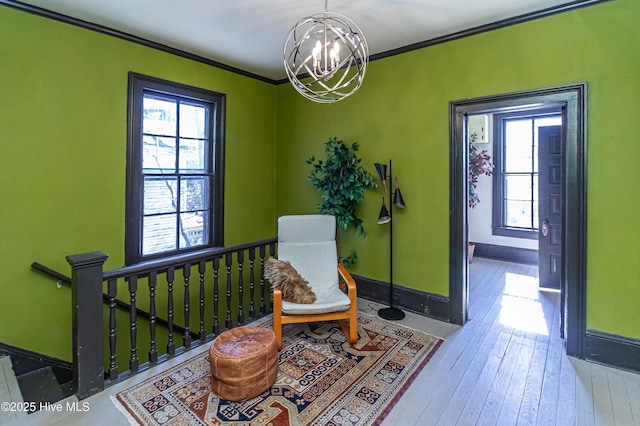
(172, 202)
(518, 140)
(192, 155)
(194, 194)
(159, 116)
(192, 229)
(555, 120)
(535, 153)
(158, 155)
(158, 234)
(160, 195)
(535, 202)
(518, 187)
(518, 214)
(192, 124)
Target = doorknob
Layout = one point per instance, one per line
(545, 228)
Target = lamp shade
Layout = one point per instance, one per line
(382, 170)
(382, 173)
(397, 197)
(384, 216)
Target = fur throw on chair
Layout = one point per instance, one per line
(294, 288)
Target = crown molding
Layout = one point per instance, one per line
(128, 37)
(567, 7)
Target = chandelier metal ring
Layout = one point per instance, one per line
(325, 57)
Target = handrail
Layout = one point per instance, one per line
(119, 303)
(161, 265)
(48, 271)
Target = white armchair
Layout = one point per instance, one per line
(308, 243)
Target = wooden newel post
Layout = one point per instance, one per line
(87, 323)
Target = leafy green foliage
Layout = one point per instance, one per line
(342, 183)
(350, 260)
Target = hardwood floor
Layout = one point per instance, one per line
(506, 366)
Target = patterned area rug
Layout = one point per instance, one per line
(322, 380)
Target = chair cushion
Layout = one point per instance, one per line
(308, 243)
(315, 262)
(333, 301)
(312, 228)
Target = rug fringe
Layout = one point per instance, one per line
(375, 316)
(123, 411)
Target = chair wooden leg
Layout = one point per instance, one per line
(350, 330)
(352, 335)
(353, 331)
(277, 317)
(353, 326)
(277, 329)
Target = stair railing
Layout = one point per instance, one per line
(213, 268)
(123, 306)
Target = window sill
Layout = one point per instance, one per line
(515, 233)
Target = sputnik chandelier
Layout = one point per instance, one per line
(325, 56)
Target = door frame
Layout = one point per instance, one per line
(572, 100)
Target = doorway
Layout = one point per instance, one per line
(570, 101)
(519, 217)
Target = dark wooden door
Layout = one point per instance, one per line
(550, 151)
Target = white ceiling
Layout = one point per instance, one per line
(249, 34)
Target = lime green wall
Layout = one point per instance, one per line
(63, 93)
(63, 111)
(401, 112)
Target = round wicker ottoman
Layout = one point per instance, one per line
(244, 362)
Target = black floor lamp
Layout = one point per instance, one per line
(385, 216)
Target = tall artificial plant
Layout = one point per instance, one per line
(342, 183)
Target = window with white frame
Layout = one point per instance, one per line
(175, 169)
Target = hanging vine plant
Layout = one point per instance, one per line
(342, 182)
(479, 164)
